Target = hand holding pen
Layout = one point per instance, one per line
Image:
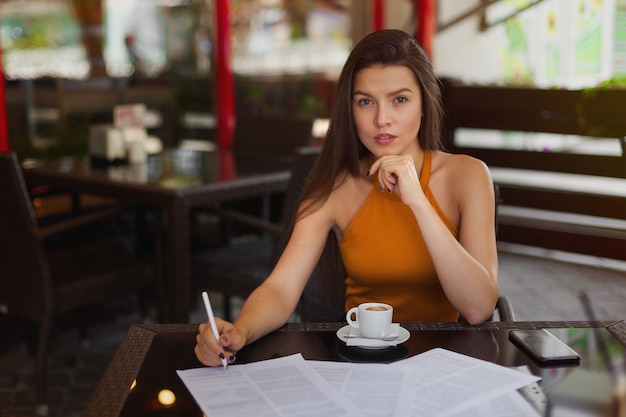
(209, 311)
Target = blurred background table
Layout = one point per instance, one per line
(174, 182)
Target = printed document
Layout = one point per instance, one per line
(448, 382)
(286, 386)
(381, 390)
(436, 383)
(376, 390)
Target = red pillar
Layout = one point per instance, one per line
(426, 24)
(378, 15)
(225, 85)
(4, 138)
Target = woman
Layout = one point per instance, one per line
(415, 224)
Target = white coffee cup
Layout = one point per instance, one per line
(372, 319)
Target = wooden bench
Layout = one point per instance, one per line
(568, 195)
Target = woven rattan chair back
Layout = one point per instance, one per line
(25, 283)
(38, 282)
(302, 164)
(323, 299)
(236, 270)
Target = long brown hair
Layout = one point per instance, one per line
(342, 149)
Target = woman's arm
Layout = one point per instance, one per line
(467, 268)
(275, 300)
(272, 303)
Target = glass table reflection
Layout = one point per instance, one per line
(142, 379)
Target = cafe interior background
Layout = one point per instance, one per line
(67, 63)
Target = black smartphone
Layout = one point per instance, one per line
(544, 348)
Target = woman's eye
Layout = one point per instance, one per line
(401, 99)
(364, 101)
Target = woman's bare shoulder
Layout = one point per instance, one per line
(346, 184)
(347, 197)
(349, 188)
(460, 167)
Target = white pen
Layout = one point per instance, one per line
(209, 312)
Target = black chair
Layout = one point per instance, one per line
(504, 306)
(39, 281)
(264, 140)
(324, 297)
(237, 269)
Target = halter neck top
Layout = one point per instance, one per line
(386, 258)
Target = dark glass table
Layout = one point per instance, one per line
(147, 360)
(174, 182)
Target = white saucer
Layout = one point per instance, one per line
(362, 342)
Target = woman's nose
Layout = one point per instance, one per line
(382, 117)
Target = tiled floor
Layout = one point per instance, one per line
(544, 288)
(540, 289)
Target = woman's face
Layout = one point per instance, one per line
(387, 109)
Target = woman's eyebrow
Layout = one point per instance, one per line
(359, 92)
(401, 90)
(392, 93)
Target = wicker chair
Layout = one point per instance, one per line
(39, 282)
(263, 140)
(236, 270)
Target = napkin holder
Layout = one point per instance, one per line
(106, 145)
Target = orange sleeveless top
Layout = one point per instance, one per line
(386, 258)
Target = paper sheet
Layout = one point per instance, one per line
(436, 383)
(376, 390)
(448, 382)
(285, 386)
(511, 404)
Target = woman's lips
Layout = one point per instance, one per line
(384, 139)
